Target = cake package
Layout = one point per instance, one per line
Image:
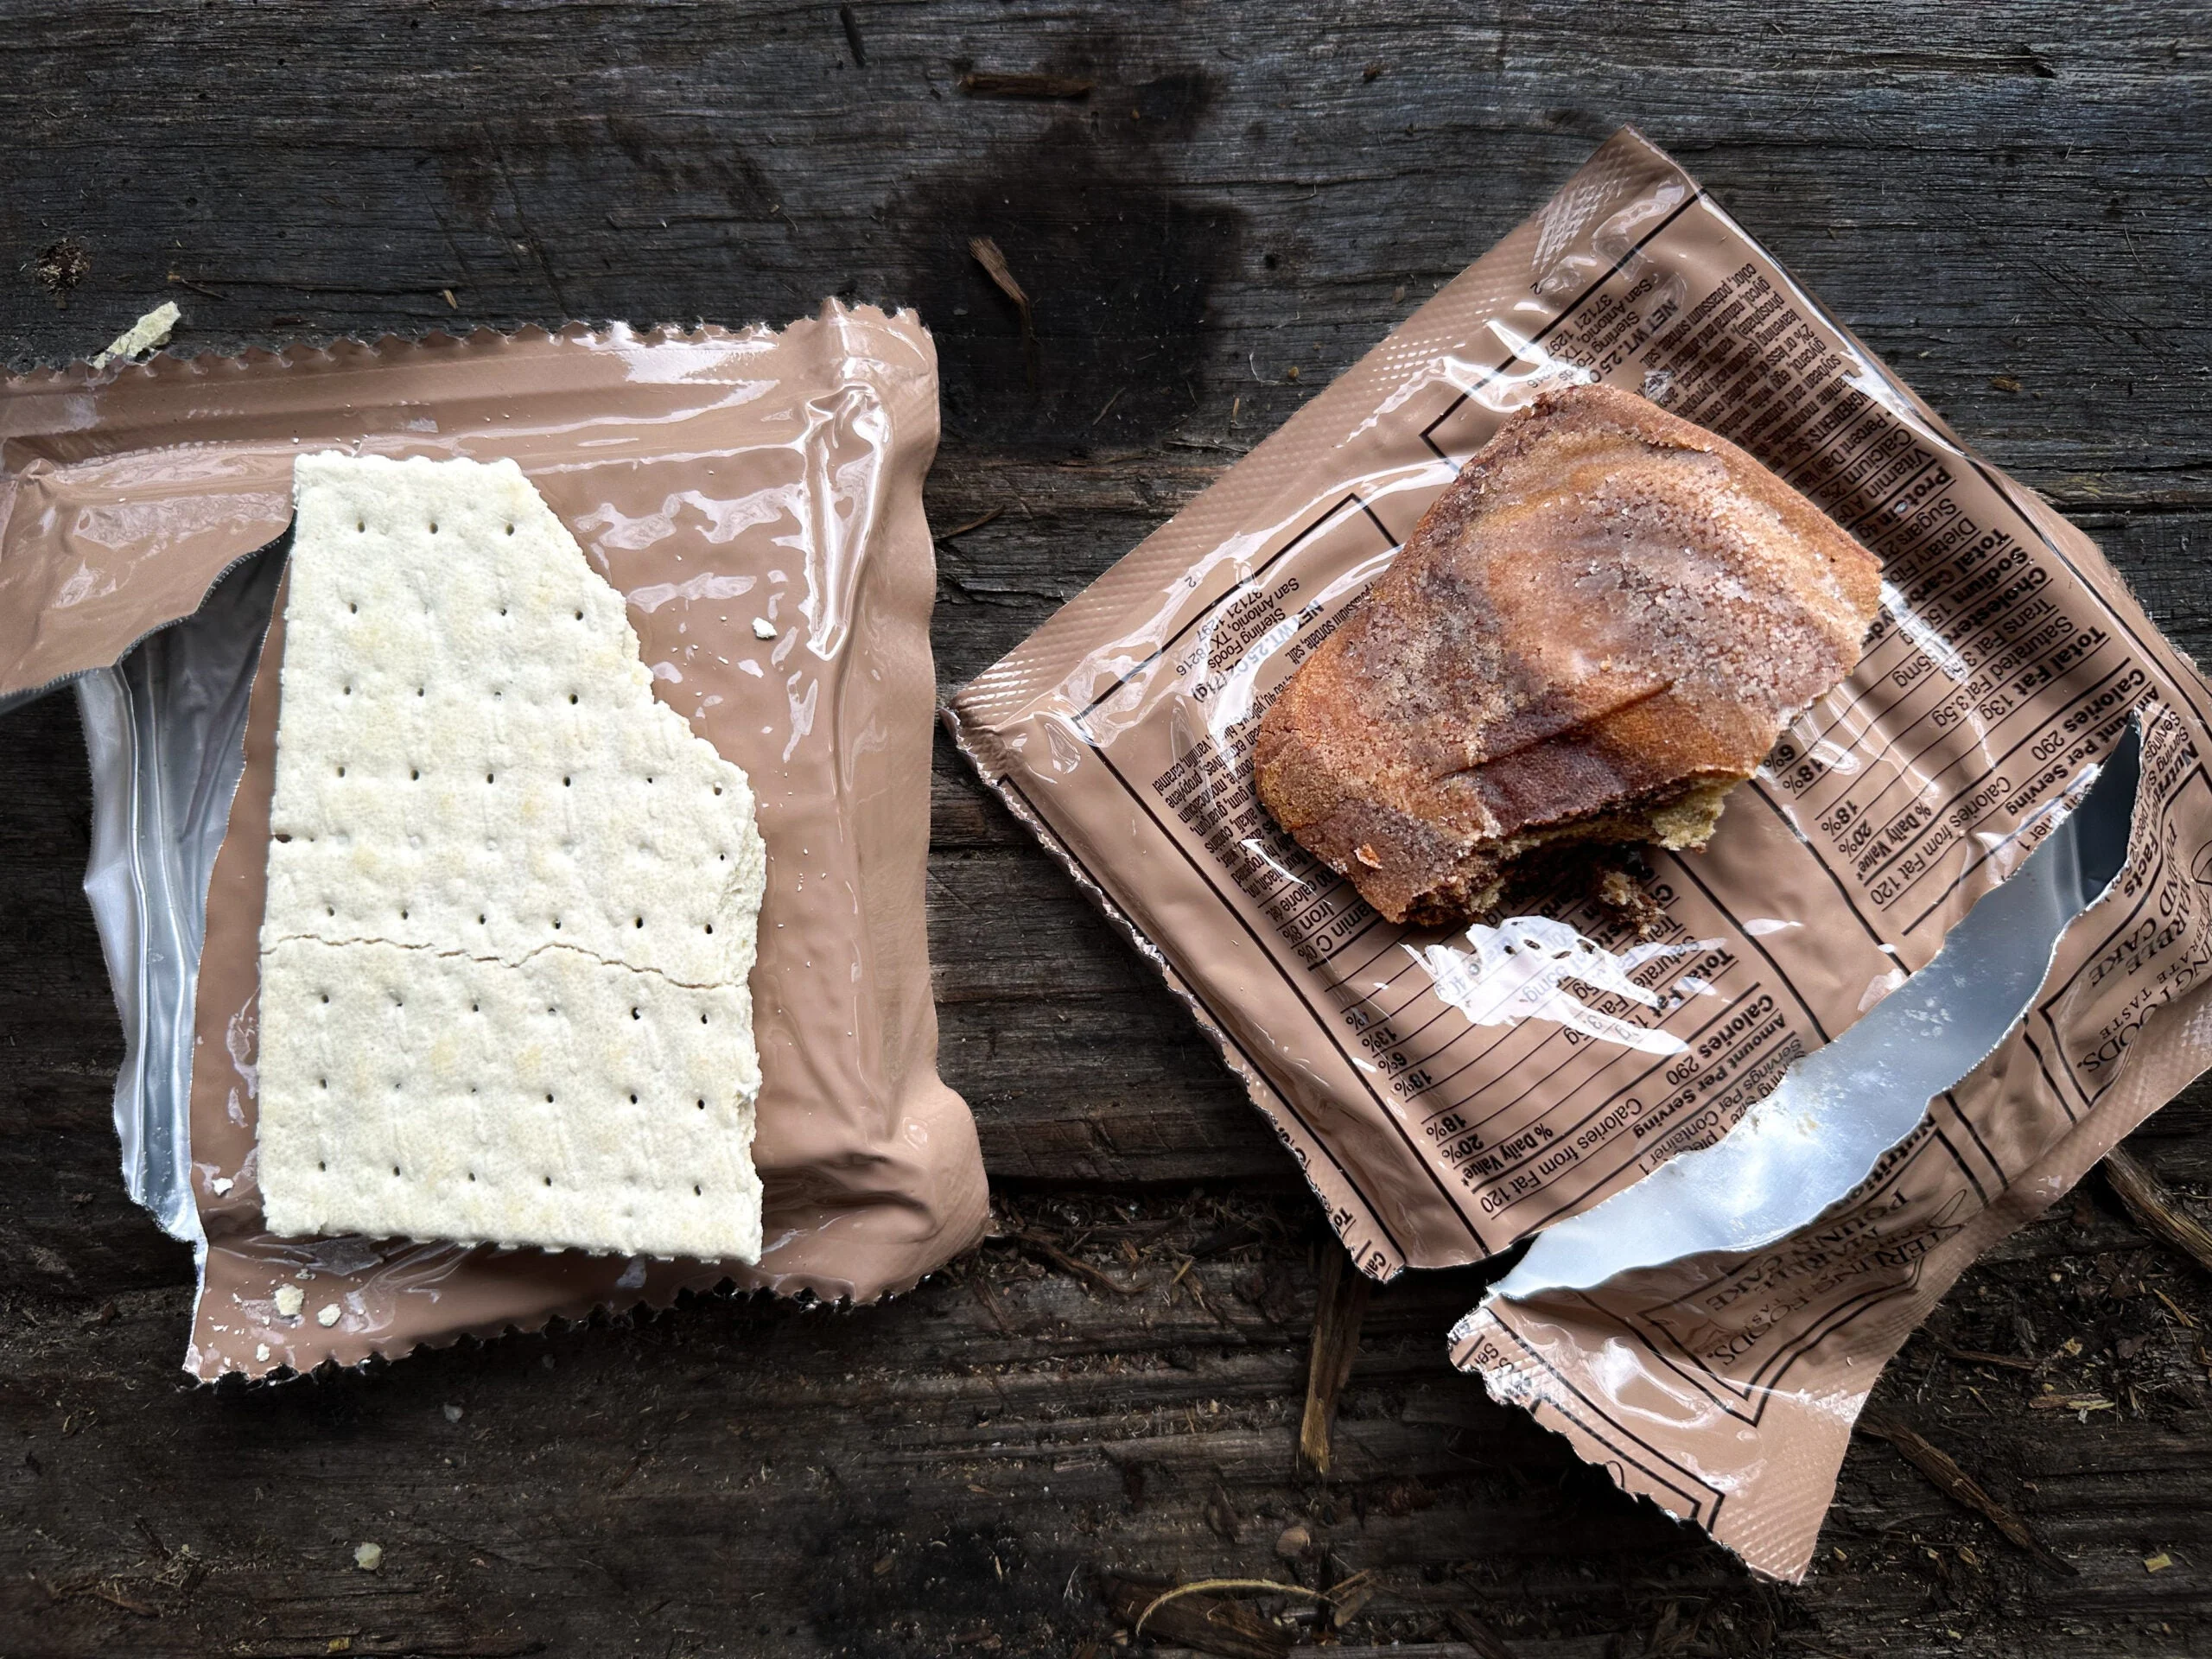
(2017, 748)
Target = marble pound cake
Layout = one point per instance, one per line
(1599, 629)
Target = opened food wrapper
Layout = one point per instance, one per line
(1931, 950)
(756, 497)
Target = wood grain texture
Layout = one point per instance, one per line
(2009, 202)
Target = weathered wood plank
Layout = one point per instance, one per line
(1230, 201)
(739, 1473)
(2008, 202)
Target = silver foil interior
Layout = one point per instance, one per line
(163, 730)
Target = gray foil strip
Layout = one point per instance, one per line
(165, 731)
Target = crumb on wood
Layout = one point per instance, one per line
(61, 265)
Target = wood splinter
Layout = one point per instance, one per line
(1945, 1475)
(1043, 1249)
(989, 257)
(2154, 1208)
(1336, 1343)
(1483, 1640)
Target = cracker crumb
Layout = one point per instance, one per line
(368, 1557)
(452, 1413)
(144, 335)
(291, 1299)
(1619, 890)
(327, 1314)
(763, 628)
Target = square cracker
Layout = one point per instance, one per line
(512, 899)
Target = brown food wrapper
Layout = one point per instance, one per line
(713, 477)
(1449, 1093)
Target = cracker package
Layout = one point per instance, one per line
(1944, 948)
(574, 612)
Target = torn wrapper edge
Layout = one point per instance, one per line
(1723, 1386)
(1819, 1135)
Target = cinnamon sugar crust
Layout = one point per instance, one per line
(1599, 628)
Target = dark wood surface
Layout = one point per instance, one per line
(2009, 200)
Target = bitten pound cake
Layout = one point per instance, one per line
(1599, 629)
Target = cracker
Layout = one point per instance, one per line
(529, 892)
(151, 330)
(563, 1101)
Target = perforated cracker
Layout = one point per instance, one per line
(512, 899)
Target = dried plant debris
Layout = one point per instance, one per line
(1336, 1319)
(988, 255)
(1485, 1642)
(1195, 1616)
(61, 265)
(2155, 1209)
(1044, 1249)
(1943, 1473)
(993, 260)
